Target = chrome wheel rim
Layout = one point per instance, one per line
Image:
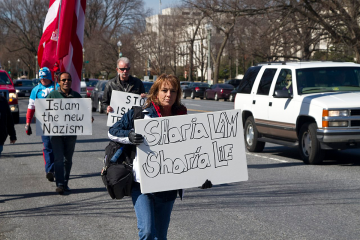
(250, 134)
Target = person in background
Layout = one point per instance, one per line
(6, 123)
(288, 86)
(153, 210)
(63, 146)
(122, 82)
(42, 90)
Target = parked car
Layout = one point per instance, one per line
(184, 85)
(219, 91)
(96, 95)
(234, 82)
(7, 90)
(233, 94)
(83, 88)
(23, 87)
(147, 86)
(195, 89)
(311, 105)
(36, 81)
(90, 85)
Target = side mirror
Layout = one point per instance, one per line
(282, 94)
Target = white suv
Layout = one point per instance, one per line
(315, 105)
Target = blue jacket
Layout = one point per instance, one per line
(126, 124)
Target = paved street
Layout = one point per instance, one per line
(283, 199)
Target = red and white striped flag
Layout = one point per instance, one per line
(62, 41)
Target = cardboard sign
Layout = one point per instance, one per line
(183, 151)
(63, 116)
(122, 102)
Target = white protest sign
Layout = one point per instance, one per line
(63, 116)
(183, 151)
(122, 102)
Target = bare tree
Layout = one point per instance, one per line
(21, 24)
(340, 18)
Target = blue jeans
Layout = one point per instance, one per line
(48, 154)
(153, 213)
(63, 147)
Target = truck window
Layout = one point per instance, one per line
(282, 81)
(248, 80)
(266, 80)
(4, 79)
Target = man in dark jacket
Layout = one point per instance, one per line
(63, 146)
(122, 82)
(6, 123)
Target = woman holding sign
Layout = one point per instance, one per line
(152, 210)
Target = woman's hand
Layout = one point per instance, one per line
(135, 138)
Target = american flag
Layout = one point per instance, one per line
(62, 40)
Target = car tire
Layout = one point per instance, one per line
(99, 106)
(231, 98)
(206, 96)
(192, 96)
(309, 146)
(93, 109)
(251, 136)
(216, 98)
(16, 117)
(184, 95)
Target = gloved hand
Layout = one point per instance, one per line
(207, 184)
(135, 138)
(28, 129)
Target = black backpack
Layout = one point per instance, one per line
(117, 175)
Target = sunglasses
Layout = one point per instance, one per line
(123, 69)
(288, 80)
(64, 80)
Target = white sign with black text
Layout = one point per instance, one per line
(184, 151)
(63, 116)
(122, 102)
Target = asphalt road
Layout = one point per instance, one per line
(283, 199)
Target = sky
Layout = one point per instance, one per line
(154, 4)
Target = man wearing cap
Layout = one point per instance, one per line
(43, 89)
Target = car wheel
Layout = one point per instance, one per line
(251, 136)
(16, 117)
(216, 98)
(231, 98)
(309, 146)
(192, 96)
(99, 107)
(184, 95)
(206, 96)
(93, 109)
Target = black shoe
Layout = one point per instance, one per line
(50, 176)
(67, 189)
(60, 190)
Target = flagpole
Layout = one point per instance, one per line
(57, 42)
(159, 7)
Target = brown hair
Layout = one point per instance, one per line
(154, 90)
